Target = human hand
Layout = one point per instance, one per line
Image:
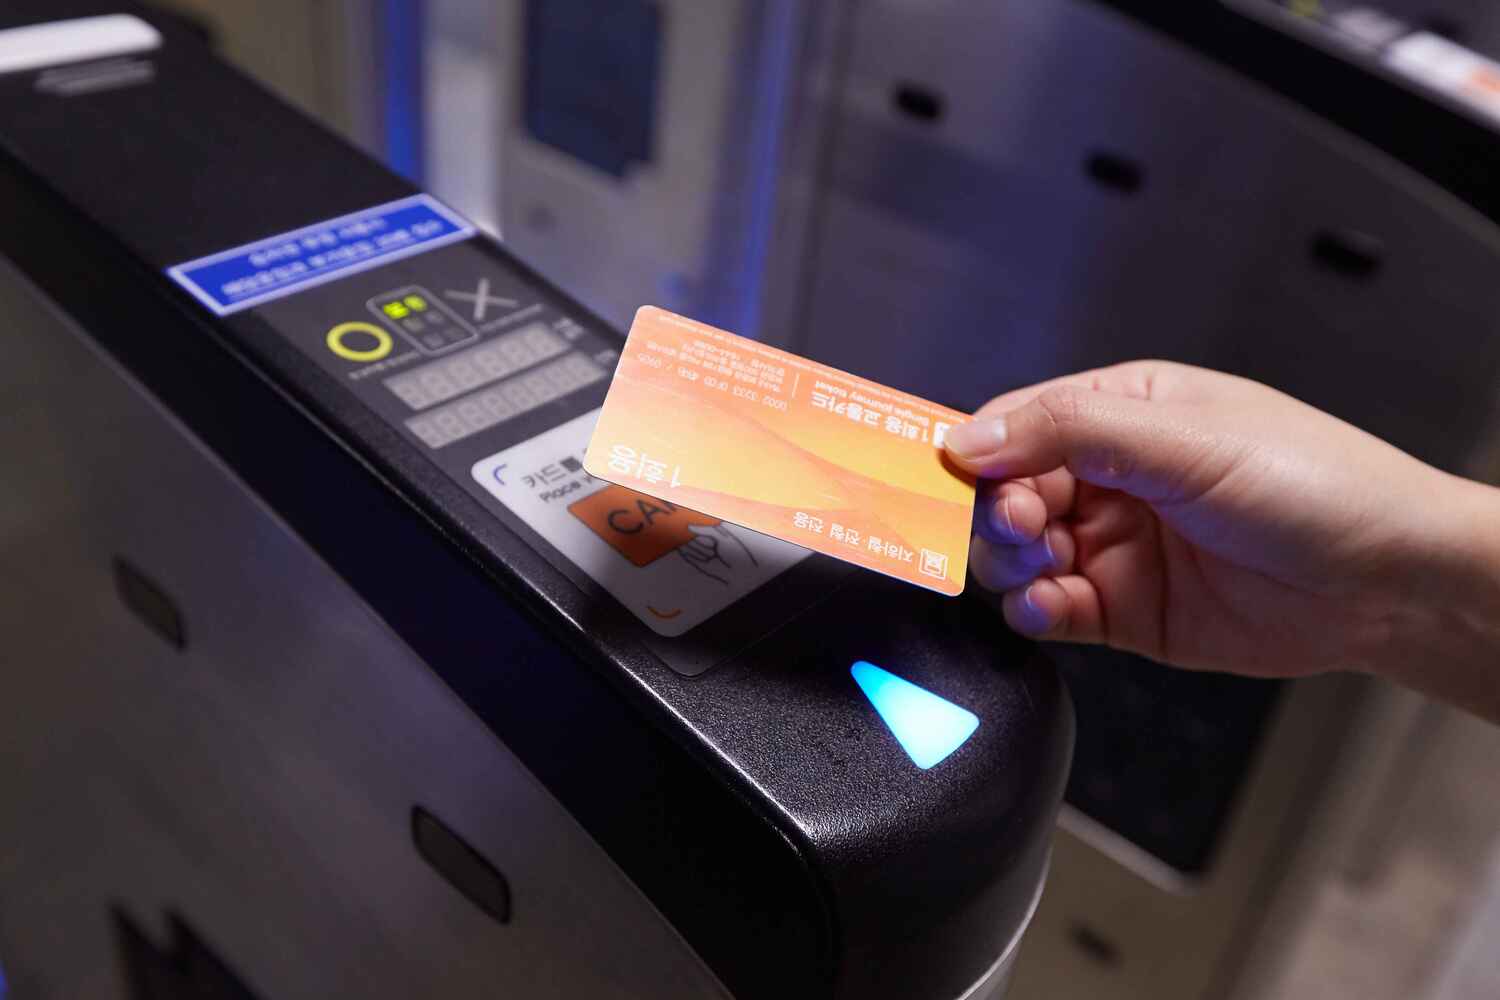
(1211, 522)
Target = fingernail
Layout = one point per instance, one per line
(1051, 555)
(977, 439)
(1036, 618)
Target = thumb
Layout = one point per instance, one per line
(1155, 451)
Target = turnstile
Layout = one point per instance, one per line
(328, 670)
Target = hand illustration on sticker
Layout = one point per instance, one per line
(716, 549)
(644, 529)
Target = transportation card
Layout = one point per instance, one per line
(739, 430)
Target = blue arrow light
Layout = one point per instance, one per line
(928, 728)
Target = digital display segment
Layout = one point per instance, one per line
(497, 404)
(452, 376)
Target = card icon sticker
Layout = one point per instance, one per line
(671, 566)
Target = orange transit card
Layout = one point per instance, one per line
(735, 429)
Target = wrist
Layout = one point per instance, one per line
(1443, 619)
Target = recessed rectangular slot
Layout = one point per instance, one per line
(461, 865)
(150, 603)
(1348, 253)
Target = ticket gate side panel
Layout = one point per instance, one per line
(248, 424)
(256, 771)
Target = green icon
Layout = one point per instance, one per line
(415, 303)
(395, 310)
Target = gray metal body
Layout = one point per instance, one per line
(906, 276)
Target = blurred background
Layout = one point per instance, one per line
(957, 198)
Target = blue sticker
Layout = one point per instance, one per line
(279, 265)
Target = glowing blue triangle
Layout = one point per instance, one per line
(928, 728)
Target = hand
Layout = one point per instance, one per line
(1211, 522)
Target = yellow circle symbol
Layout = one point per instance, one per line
(336, 343)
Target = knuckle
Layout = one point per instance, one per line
(1093, 452)
(1062, 405)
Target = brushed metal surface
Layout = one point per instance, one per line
(966, 256)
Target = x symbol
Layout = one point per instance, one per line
(482, 299)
